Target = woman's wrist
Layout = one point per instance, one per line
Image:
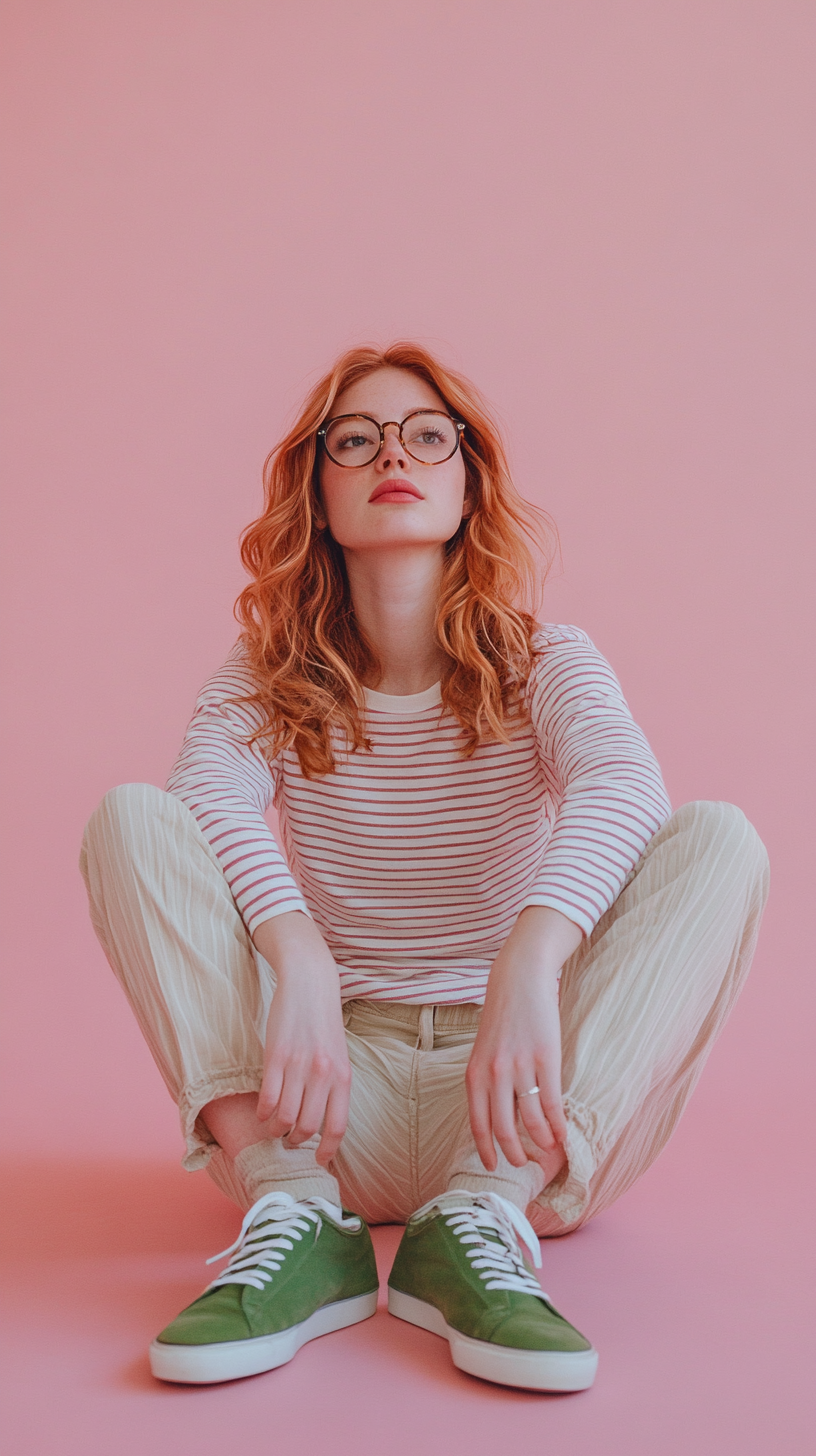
(316, 970)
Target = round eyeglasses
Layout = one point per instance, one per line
(429, 436)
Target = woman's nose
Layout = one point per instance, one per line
(392, 453)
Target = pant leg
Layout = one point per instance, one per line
(643, 1000)
(168, 924)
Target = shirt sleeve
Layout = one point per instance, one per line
(601, 774)
(227, 785)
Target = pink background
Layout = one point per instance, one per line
(603, 213)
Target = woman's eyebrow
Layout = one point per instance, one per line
(369, 414)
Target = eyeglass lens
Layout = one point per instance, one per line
(355, 441)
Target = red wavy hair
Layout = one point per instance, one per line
(304, 646)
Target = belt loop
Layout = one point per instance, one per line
(425, 1040)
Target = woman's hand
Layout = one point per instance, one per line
(518, 1045)
(307, 1075)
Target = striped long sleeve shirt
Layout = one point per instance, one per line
(413, 860)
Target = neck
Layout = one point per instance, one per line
(395, 596)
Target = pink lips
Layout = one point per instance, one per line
(395, 490)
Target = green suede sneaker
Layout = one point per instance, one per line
(298, 1270)
(460, 1273)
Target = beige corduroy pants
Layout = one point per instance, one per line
(642, 1001)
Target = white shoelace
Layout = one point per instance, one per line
(269, 1232)
(476, 1220)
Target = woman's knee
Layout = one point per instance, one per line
(124, 813)
(126, 797)
(723, 831)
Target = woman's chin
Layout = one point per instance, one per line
(394, 536)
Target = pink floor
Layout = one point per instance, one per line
(697, 1289)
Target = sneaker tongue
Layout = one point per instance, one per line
(450, 1200)
(447, 1201)
(322, 1205)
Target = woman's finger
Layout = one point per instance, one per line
(287, 1111)
(551, 1097)
(270, 1092)
(480, 1125)
(503, 1118)
(335, 1121)
(312, 1110)
(532, 1115)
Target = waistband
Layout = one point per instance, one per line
(425, 1027)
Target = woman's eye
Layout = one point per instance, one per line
(353, 442)
(430, 436)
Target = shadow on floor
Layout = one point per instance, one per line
(113, 1208)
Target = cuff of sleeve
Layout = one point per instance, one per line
(270, 912)
(575, 913)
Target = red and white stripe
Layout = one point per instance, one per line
(413, 860)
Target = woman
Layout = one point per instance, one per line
(477, 990)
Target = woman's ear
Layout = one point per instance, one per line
(467, 508)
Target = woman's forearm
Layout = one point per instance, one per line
(292, 944)
(543, 937)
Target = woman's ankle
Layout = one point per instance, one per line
(233, 1122)
(269, 1167)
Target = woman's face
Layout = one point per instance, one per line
(396, 500)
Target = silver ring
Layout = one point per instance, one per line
(532, 1092)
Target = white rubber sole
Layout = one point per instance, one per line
(528, 1369)
(233, 1359)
